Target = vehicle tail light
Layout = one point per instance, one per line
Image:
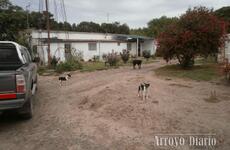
(8, 96)
(21, 84)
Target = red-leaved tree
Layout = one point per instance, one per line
(198, 32)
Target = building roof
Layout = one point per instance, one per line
(89, 36)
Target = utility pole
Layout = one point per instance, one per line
(48, 32)
(27, 15)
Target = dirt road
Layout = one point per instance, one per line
(101, 110)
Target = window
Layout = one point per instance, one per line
(8, 54)
(129, 46)
(26, 55)
(67, 48)
(92, 46)
(67, 51)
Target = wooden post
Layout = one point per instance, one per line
(137, 47)
(48, 32)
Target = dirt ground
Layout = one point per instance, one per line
(101, 110)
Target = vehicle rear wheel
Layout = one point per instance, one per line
(27, 110)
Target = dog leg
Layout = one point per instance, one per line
(145, 93)
(146, 96)
(139, 89)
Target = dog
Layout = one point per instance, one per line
(143, 90)
(137, 62)
(64, 77)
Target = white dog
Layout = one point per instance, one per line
(143, 90)
(64, 77)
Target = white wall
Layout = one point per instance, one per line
(102, 48)
(227, 50)
(133, 48)
(42, 52)
(57, 50)
(106, 48)
(83, 47)
(146, 45)
(149, 45)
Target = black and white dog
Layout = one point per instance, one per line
(137, 62)
(64, 77)
(143, 90)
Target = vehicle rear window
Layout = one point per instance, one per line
(8, 54)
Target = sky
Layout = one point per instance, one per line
(135, 13)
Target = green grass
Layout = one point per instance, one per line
(205, 72)
(93, 66)
(42, 70)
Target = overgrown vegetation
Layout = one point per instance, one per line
(111, 58)
(146, 54)
(88, 66)
(69, 65)
(125, 55)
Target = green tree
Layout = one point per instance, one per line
(157, 26)
(13, 19)
(115, 27)
(139, 31)
(88, 27)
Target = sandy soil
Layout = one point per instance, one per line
(101, 110)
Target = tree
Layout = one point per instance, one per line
(5, 4)
(158, 25)
(88, 27)
(74, 27)
(13, 19)
(155, 27)
(224, 13)
(198, 32)
(139, 31)
(115, 27)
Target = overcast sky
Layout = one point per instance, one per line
(136, 13)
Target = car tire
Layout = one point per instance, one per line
(27, 110)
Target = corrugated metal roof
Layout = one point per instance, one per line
(122, 37)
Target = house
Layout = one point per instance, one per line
(227, 48)
(225, 51)
(88, 45)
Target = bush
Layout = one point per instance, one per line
(54, 62)
(70, 65)
(146, 54)
(125, 55)
(112, 58)
(153, 56)
(96, 58)
(198, 32)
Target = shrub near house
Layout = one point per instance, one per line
(125, 55)
(146, 54)
(197, 32)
